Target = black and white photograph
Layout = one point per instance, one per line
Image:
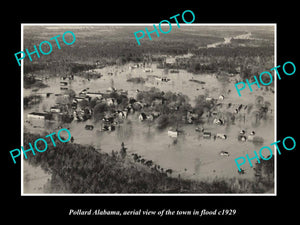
(145, 113)
(162, 117)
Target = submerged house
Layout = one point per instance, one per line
(89, 127)
(94, 95)
(78, 99)
(137, 105)
(150, 117)
(110, 89)
(83, 93)
(165, 79)
(38, 116)
(242, 138)
(170, 61)
(111, 101)
(147, 70)
(157, 101)
(63, 83)
(108, 128)
(191, 116)
(142, 117)
(222, 136)
(55, 109)
(218, 122)
(122, 114)
(207, 135)
(38, 119)
(172, 133)
(108, 119)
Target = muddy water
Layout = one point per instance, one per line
(193, 157)
(34, 179)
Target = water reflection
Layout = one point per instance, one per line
(124, 131)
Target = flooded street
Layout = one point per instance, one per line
(192, 156)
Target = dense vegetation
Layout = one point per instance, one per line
(31, 82)
(31, 100)
(81, 169)
(246, 61)
(118, 46)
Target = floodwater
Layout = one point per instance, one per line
(192, 156)
(34, 179)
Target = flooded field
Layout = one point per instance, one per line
(191, 156)
(34, 179)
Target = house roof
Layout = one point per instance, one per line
(38, 114)
(94, 93)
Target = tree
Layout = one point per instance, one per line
(249, 108)
(166, 71)
(263, 112)
(256, 116)
(123, 150)
(196, 67)
(121, 60)
(264, 171)
(201, 104)
(267, 104)
(93, 103)
(99, 110)
(83, 104)
(63, 100)
(162, 121)
(259, 100)
(71, 93)
(246, 72)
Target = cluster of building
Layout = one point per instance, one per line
(217, 114)
(64, 84)
(220, 114)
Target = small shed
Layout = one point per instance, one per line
(222, 136)
(89, 127)
(223, 153)
(207, 135)
(172, 133)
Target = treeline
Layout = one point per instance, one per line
(108, 52)
(117, 51)
(262, 51)
(32, 67)
(81, 169)
(31, 82)
(246, 61)
(76, 67)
